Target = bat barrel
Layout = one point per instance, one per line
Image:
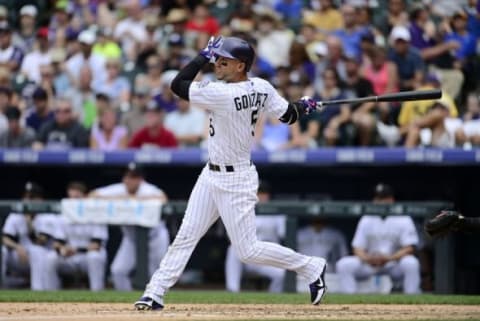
(400, 96)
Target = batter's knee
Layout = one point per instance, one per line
(247, 254)
(410, 263)
(347, 265)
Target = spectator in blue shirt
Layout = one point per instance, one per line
(460, 34)
(350, 34)
(408, 60)
(291, 12)
(41, 112)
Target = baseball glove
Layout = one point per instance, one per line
(444, 223)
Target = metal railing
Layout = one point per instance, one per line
(443, 249)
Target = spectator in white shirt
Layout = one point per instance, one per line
(33, 60)
(188, 124)
(95, 61)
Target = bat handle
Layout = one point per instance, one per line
(320, 106)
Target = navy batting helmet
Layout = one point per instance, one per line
(236, 48)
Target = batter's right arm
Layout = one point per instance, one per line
(295, 110)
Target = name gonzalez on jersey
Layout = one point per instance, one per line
(255, 99)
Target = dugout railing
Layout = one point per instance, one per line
(443, 249)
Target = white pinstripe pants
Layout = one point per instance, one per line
(231, 196)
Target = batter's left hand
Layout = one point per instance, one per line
(309, 104)
(212, 44)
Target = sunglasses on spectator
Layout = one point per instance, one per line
(63, 111)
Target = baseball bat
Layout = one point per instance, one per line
(400, 96)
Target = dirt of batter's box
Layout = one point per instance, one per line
(191, 312)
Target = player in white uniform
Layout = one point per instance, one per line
(134, 186)
(26, 238)
(79, 249)
(270, 228)
(319, 239)
(227, 186)
(382, 246)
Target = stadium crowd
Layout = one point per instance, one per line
(96, 74)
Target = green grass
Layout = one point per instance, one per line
(180, 296)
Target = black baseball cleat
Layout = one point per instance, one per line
(318, 288)
(146, 304)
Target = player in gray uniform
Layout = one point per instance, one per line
(227, 186)
(134, 186)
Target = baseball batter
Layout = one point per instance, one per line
(227, 185)
(382, 245)
(135, 186)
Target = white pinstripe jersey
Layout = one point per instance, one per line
(233, 110)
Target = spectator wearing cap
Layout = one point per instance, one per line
(115, 85)
(83, 98)
(10, 55)
(382, 245)
(62, 132)
(107, 134)
(106, 46)
(40, 113)
(6, 95)
(16, 136)
(409, 63)
(134, 118)
(87, 39)
(177, 54)
(40, 56)
(325, 18)
(26, 36)
(153, 134)
(130, 32)
(187, 124)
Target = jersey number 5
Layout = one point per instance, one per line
(211, 129)
(254, 119)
